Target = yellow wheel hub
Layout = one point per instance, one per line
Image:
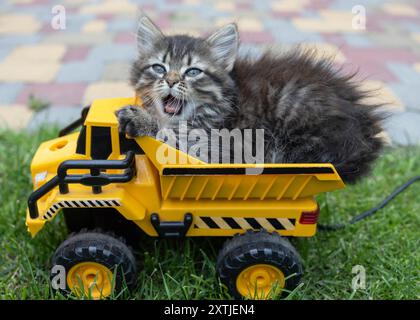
(90, 279)
(258, 281)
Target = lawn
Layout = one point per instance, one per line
(386, 245)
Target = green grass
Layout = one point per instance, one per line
(36, 104)
(386, 245)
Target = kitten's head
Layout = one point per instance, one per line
(178, 77)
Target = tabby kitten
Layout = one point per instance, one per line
(309, 112)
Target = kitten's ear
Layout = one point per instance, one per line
(224, 45)
(147, 35)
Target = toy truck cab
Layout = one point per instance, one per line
(98, 169)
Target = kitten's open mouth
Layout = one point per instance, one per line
(172, 105)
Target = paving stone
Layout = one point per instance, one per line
(225, 6)
(288, 33)
(18, 24)
(400, 9)
(380, 93)
(116, 71)
(245, 24)
(325, 50)
(58, 116)
(75, 22)
(77, 38)
(14, 116)
(289, 5)
(17, 71)
(76, 53)
(9, 92)
(349, 4)
(55, 93)
(127, 37)
(4, 52)
(358, 40)
(80, 71)
(329, 22)
(256, 37)
(37, 53)
(8, 41)
(99, 42)
(107, 89)
(416, 37)
(122, 24)
(95, 26)
(113, 52)
(109, 6)
(408, 86)
(403, 128)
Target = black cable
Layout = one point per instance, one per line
(368, 213)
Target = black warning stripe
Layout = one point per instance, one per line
(253, 223)
(79, 204)
(232, 223)
(242, 171)
(210, 223)
(276, 224)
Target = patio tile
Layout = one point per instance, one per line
(116, 71)
(289, 5)
(382, 94)
(80, 71)
(54, 93)
(107, 89)
(17, 71)
(326, 50)
(76, 53)
(95, 26)
(59, 116)
(9, 92)
(109, 6)
(400, 9)
(245, 24)
(37, 53)
(329, 22)
(18, 24)
(403, 128)
(77, 38)
(14, 116)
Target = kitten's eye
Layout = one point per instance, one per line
(158, 68)
(192, 72)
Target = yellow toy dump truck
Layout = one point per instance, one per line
(109, 186)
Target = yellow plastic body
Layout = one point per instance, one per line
(221, 201)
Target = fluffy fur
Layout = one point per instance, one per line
(309, 111)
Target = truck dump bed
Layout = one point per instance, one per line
(194, 179)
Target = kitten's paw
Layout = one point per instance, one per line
(136, 122)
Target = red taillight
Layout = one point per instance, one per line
(309, 217)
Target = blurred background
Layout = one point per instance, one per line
(56, 57)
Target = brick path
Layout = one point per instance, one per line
(91, 57)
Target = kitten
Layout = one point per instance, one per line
(309, 112)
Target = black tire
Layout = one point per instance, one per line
(255, 248)
(98, 247)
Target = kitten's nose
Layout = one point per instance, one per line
(172, 78)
